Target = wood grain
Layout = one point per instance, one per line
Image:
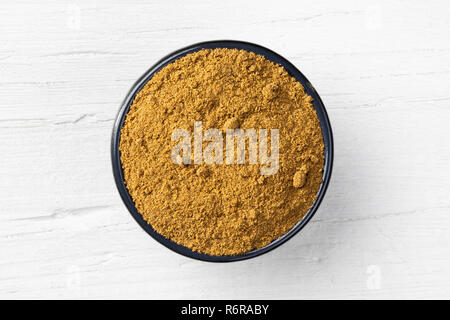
(382, 70)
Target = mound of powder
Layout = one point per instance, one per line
(221, 209)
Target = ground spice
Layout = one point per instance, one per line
(221, 209)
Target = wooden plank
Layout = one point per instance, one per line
(383, 71)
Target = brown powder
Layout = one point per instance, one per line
(221, 209)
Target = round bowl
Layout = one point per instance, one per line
(268, 54)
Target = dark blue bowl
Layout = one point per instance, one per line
(268, 54)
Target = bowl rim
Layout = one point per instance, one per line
(231, 44)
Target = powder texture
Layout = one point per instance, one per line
(221, 209)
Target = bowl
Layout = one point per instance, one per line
(231, 44)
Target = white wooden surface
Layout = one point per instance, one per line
(382, 69)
